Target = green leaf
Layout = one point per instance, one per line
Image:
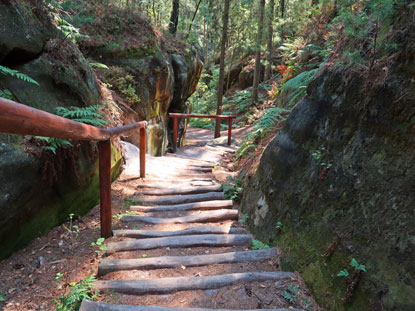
(354, 263)
(99, 65)
(343, 273)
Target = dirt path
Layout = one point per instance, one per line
(161, 256)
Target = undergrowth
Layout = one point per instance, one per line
(78, 292)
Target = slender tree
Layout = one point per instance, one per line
(258, 51)
(269, 41)
(282, 8)
(225, 19)
(174, 18)
(193, 18)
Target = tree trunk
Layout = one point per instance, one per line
(269, 43)
(258, 51)
(222, 66)
(193, 18)
(282, 8)
(174, 19)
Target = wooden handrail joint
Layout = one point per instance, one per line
(20, 119)
(177, 116)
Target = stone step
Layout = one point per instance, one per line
(110, 265)
(208, 240)
(174, 284)
(200, 217)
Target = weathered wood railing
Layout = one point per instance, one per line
(177, 116)
(16, 118)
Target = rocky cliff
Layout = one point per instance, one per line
(340, 177)
(40, 189)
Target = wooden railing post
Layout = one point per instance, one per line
(142, 152)
(104, 149)
(229, 131)
(175, 132)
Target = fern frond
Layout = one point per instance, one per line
(88, 115)
(17, 74)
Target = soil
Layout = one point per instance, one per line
(28, 278)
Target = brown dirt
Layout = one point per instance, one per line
(28, 278)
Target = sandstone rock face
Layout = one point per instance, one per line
(164, 76)
(343, 166)
(161, 80)
(29, 205)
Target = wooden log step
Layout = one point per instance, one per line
(170, 185)
(174, 284)
(209, 196)
(207, 216)
(182, 241)
(199, 169)
(208, 205)
(181, 190)
(88, 305)
(178, 180)
(138, 234)
(196, 175)
(110, 265)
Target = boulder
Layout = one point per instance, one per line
(340, 178)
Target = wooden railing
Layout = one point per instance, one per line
(16, 118)
(177, 116)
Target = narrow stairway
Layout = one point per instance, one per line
(184, 248)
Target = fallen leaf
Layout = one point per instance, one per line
(144, 256)
(263, 286)
(183, 267)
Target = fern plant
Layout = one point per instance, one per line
(17, 74)
(297, 86)
(89, 115)
(264, 125)
(54, 143)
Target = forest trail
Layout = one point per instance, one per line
(181, 246)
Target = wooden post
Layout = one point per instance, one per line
(229, 131)
(142, 152)
(175, 132)
(104, 149)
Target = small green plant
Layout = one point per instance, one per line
(121, 215)
(244, 218)
(257, 244)
(291, 293)
(278, 226)
(6, 94)
(343, 273)
(233, 189)
(78, 291)
(2, 297)
(357, 267)
(100, 246)
(73, 230)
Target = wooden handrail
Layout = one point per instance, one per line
(16, 118)
(201, 116)
(177, 116)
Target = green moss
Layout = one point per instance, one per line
(77, 201)
(141, 52)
